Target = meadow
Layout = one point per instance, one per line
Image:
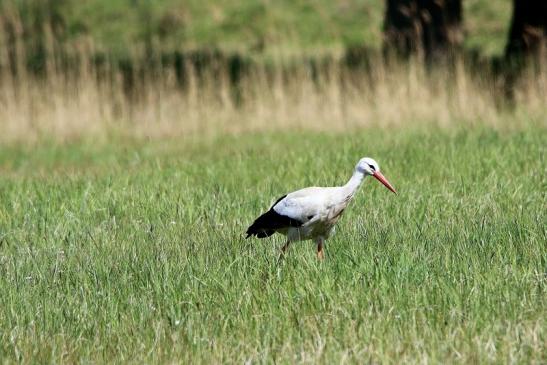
(133, 250)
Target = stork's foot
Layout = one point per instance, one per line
(320, 255)
(320, 252)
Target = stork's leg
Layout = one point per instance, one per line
(284, 249)
(320, 252)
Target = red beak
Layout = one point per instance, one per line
(381, 178)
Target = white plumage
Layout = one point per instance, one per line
(311, 213)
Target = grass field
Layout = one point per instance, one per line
(132, 251)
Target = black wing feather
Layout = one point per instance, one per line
(277, 201)
(271, 221)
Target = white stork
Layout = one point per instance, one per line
(311, 213)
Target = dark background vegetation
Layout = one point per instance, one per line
(135, 34)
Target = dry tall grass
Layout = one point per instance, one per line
(84, 102)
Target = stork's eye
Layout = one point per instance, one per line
(372, 167)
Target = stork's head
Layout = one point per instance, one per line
(370, 167)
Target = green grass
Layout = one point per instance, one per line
(128, 251)
(487, 25)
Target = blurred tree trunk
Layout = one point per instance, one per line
(528, 34)
(432, 28)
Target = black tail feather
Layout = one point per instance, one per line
(262, 227)
(269, 222)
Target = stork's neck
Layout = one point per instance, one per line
(353, 184)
